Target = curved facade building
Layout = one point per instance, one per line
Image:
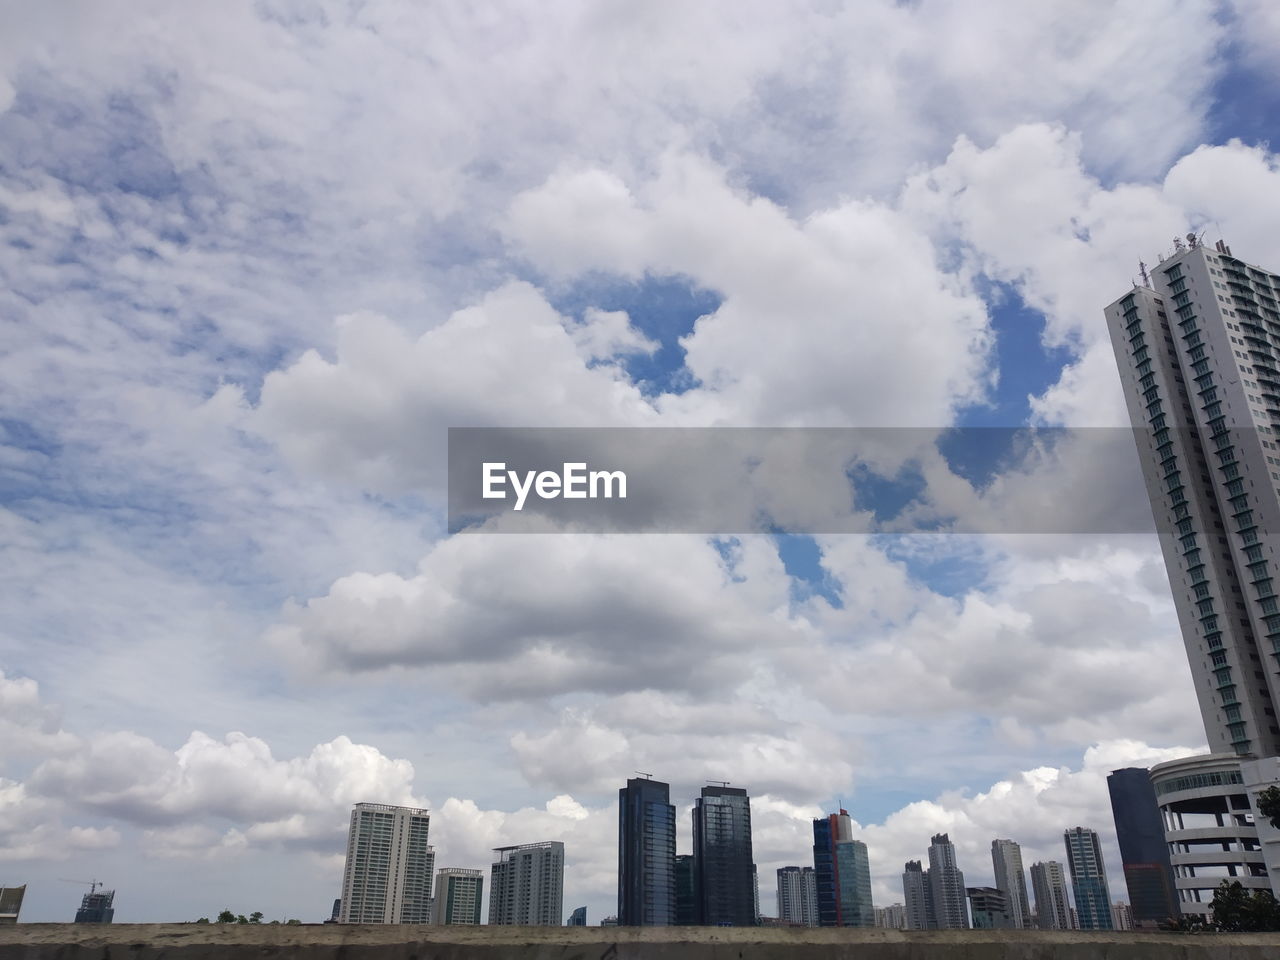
(1208, 824)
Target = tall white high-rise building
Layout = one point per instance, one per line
(1006, 859)
(892, 917)
(388, 873)
(1053, 908)
(797, 896)
(526, 885)
(918, 902)
(459, 893)
(1198, 347)
(946, 885)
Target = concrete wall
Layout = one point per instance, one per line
(65, 941)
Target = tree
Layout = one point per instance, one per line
(255, 917)
(1269, 804)
(226, 916)
(1235, 909)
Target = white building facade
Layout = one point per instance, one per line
(387, 878)
(1209, 824)
(1006, 861)
(1198, 348)
(526, 885)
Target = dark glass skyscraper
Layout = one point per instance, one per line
(1147, 871)
(646, 854)
(842, 874)
(96, 907)
(723, 864)
(686, 892)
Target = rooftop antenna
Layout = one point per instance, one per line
(1142, 268)
(1177, 245)
(641, 773)
(1193, 241)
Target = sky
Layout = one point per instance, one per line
(257, 258)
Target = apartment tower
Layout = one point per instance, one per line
(1006, 860)
(387, 878)
(1088, 878)
(526, 885)
(1198, 347)
(797, 896)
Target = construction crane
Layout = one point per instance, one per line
(93, 884)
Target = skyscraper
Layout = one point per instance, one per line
(797, 896)
(526, 885)
(1088, 878)
(388, 873)
(1122, 916)
(1197, 346)
(97, 906)
(892, 917)
(722, 858)
(1148, 873)
(578, 918)
(916, 896)
(646, 854)
(1006, 860)
(459, 893)
(686, 891)
(842, 874)
(1049, 883)
(946, 885)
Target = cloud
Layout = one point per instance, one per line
(296, 802)
(537, 615)
(377, 415)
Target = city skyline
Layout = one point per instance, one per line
(256, 261)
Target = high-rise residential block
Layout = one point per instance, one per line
(389, 863)
(917, 898)
(459, 893)
(1088, 878)
(722, 857)
(526, 885)
(1049, 884)
(1006, 861)
(1198, 347)
(1209, 826)
(842, 874)
(892, 917)
(1148, 873)
(646, 854)
(797, 896)
(1121, 916)
(946, 885)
